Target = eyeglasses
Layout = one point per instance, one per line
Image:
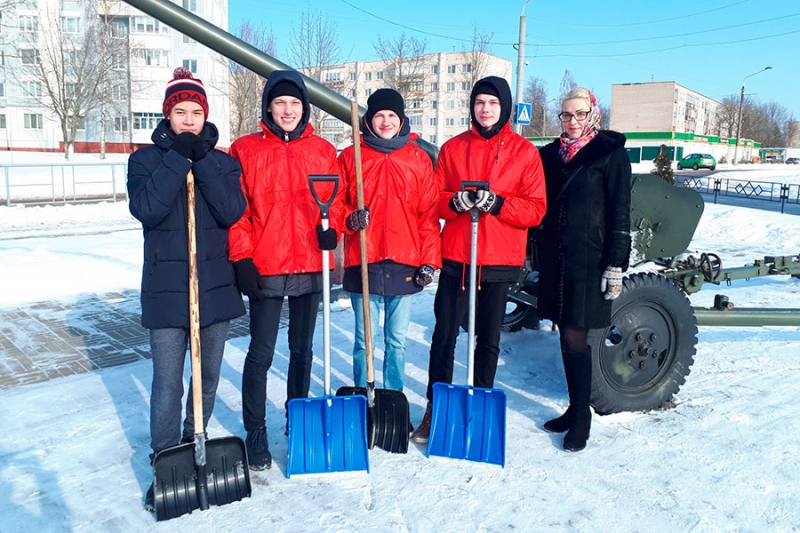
(579, 115)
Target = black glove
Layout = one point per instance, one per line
(489, 202)
(358, 219)
(424, 275)
(462, 201)
(199, 149)
(183, 143)
(248, 279)
(326, 238)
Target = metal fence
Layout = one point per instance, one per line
(68, 182)
(743, 189)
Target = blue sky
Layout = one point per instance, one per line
(709, 46)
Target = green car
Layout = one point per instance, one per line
(695, 161)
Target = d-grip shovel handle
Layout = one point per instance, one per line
(324, 207)
(478, 186)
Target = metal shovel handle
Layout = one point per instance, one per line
(473, 278)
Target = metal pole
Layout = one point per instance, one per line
(739, 121)
(520, 63)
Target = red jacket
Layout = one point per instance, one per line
(278, 228)
(511, 165)
(401, 193)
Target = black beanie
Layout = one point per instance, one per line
(284, 88)
(382, 99)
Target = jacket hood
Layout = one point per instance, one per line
(163, 136)
(496, 86)
(604, 143)
(297, 80)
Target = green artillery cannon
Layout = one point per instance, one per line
(643, 358)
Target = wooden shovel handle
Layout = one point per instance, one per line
(194, 308)
(362, 241)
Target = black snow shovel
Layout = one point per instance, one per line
(387, 410)
(469, 422)
(207, 472)
(326, 434)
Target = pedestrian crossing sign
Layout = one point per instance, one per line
(523, 114)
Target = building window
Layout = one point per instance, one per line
(190, 5)
(149, 57)
(333, 76)
(415, 120)
(432, 121)
(121, 124)
(190, 65)
(119, 93)
(466, 85)
(367, 92)
(434, 69)
(33, 121)
(188, 40)
(451, 69)
(465, 121)
(118, 62)
(2, 122)
(28, 23)
(31, 88)
(379, 75)
(416, 103)
(119, 30)
(353, 76)
(466, 67)
(148, 25)
(2, 89)
(434, 104)
(71, 57)
(70, 89)
(81, 120)
(434, 86)
(451, 86)
(29, 57)
(330, 123)
(71, 24)
(451, 104)
(450, 121)
(2, 57)
(352, 93)
(368, 76)
(146, 121)
(432, 139)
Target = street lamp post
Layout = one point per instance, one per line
(739, 121)
(521, 62)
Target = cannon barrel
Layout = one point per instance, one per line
(250, 57)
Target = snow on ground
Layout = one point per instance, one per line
(74, 451)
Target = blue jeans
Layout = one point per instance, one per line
(168, 346)
(395, 326)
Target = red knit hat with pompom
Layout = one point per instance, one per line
(184, 88)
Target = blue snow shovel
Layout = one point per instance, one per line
(469, 422)
(327, 434)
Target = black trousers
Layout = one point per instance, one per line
(449, 307)
(264, 321)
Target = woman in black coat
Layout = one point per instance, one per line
(583, 245)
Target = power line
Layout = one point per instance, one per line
(665, 49)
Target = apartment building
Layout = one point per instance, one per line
(436, 88)
(149, 51)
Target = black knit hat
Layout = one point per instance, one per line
(284, 88)
(384, 99)
(184, 88)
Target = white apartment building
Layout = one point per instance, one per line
(437, 102)
(153, 51)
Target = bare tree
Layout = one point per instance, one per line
(403, 64)
(536, 93)
(727, 116)
(605, 116)
(477, 57)
(314, 47)
(245, 85)
(567, 83)
(770, 125)
(70, 70)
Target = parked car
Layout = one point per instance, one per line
(695, 161)
(793, 161)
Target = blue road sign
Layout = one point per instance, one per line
(523, 114)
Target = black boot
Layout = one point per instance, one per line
(562, 423)
(578, 365)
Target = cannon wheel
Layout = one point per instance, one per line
(643, 358)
